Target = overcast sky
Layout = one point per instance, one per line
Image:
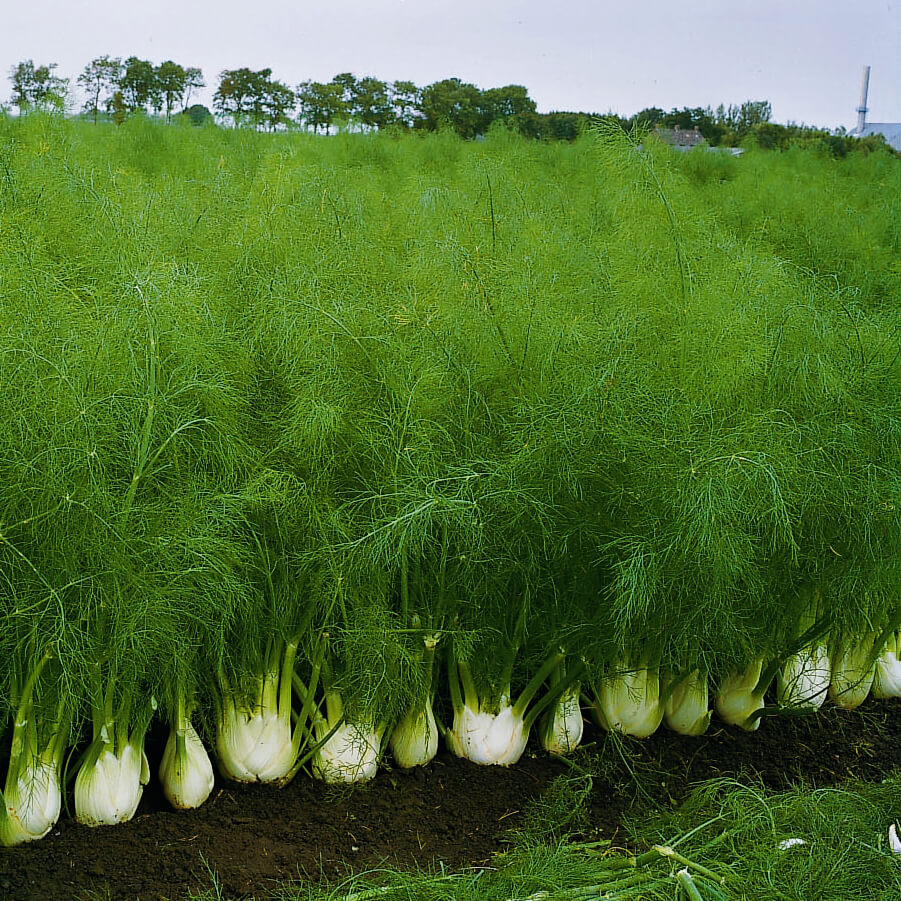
(804, 56)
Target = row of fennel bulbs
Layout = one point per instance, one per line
(532, 524)
(268, 521)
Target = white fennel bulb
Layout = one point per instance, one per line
(887, 683)
(414, 741)
(804, 678)
(562, 725)
(185, 770)
(33, 804)
(254, 745)
(737, 698)
(490, 739)
(852, 673)
(108, 787)
(351, 754)
(687, 709)
(894, 842)
(629, 702)
(31, 799)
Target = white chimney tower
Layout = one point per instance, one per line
(862, 109)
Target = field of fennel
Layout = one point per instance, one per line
(324, 450)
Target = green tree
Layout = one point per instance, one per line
(139, 85)
(347, 84)
(755, 112)
(279, 100)
(319, 105)
(739, 120)
(648, 117)
(561, 126)
(373, 103)
(683, 119)
(452, 103)
(769, 136)
(171, 81)
(118, 107)
(198, 114)
(99, 79)
(238, 95)
(406, 101)
(511, 105)
(36, 87)
(253, 99)
(507, 102)
(193, 82)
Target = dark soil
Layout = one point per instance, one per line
(452, 812)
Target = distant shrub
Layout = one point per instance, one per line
(198, 114)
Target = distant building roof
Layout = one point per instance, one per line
(891, 131)
(680, 137)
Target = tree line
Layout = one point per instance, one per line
(253, 98)
(111, 85)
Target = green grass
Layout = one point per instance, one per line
(736, 842)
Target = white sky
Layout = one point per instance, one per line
(804, 56)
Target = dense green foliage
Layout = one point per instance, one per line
(263, 389)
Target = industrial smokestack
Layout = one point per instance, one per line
(862, 109)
